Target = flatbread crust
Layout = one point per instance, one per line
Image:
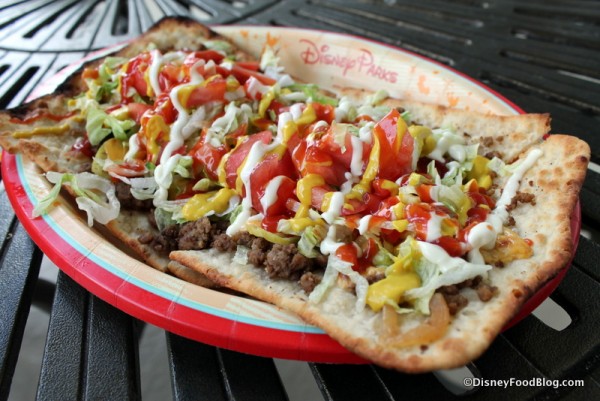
(555, 180)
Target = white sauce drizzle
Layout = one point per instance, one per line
(434, 227)
(335, 207)
(484, 234)
(356, 163)
(270, 196)
(363, 224)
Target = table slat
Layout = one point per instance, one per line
(195, 370)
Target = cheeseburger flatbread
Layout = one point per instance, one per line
(411, 233)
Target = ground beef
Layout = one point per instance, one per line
(453, 297)
(146, 238)
(197, 234)
(224, 243)
(520, 197)
(374, 274)
(309, 281)
(320, 260)
(343, 234)
(123, 193)
(243, 238)
(492, 154)
(258, 251)
(487, 141)
(284, 261)
(166, 240)
(485, 292)
(456, 301)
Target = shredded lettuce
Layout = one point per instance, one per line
(98, 121)
(313, 92)
(104, 86)
(310, 238)
(94, 195)
(163, 218)
(218, 45)
(436, 269)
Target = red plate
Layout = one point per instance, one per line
(210, 316)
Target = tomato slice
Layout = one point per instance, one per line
(243, 74)
(237, 155)
(324, 112)
(134, 76)
(418, 215)
(451, 245)
(311, 159)
(137, 110)
(395, 158)
(133, 168)
(206, 55)
(213, 90)
(207, 158)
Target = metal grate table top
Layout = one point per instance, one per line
(542, 55)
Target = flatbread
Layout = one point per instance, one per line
(554, 180)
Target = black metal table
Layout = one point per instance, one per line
(543, 55)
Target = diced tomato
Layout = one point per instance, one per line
(242, 74)
(277, 108)
(317, 196)
(451, 245)
(395, 158)
(324, 112)
(424, 192)
(479, 198)
(134, 76)
(214, 90)
(91, 73)
(270, 223)
(237, 155)
(164, 108)
(394, 237)
(249, 65)
(83, 146)
(269, 168)
(137, 110)
(170, 76)
(205, 55)
(369, 205)
(384, 207)
(342, 154)
(368, 253)
(133, 168)
(319, 162)
(477, 214)
(418, 214)
(207, 158)
(318, 130)
(348, 253)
